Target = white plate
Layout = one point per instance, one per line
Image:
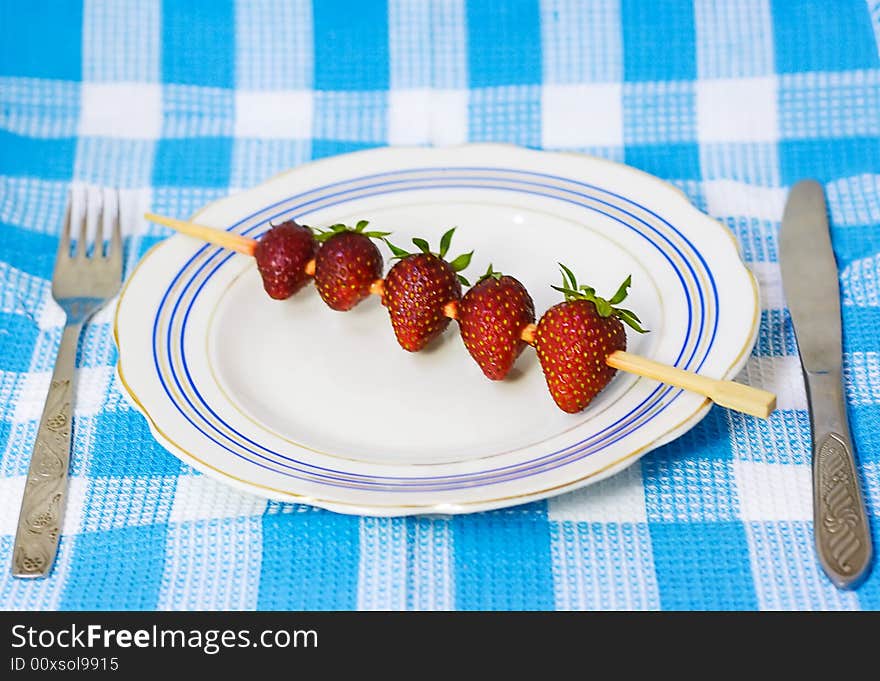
(297, 402)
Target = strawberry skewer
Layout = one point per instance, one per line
(580, 342)
(287, 255)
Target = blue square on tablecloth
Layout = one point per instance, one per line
(865, 426)
(18, 336)
(195, 162)
(854, 242)
(828, 159)
(670, 161)
(117, 569)
(28, 251)
(659, 40)
(703, 566)
(351, 45)
(817, 35)
(504, 43)
(198, 43)
(503, 560)
(122, 446)
(32, 45)
(310, 560)
(48, 159)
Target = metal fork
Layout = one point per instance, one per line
(81, 285)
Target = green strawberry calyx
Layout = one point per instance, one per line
(491, 274)
(605, 307)
(457, 264)
(321, 235)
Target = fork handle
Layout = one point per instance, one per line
(45, 492)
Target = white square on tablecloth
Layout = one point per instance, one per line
(770, 492)
(619, 499)
(409, 117)
(198, 497)
(582, 115)
(281, 114)
(449, 117)
(729, 198)
(126, 110)
(737, 110)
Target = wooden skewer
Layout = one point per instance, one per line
(730, 394)
(219, 237)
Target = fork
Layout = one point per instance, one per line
(81, 284)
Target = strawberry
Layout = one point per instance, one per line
(418, 287)
(492, 316)
(282, 254)
(347, 263)
(574, 337)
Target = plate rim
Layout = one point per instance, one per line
(359, 508)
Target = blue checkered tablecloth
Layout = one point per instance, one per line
(181, 102)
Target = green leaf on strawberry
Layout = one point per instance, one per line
(605, 307)
(322, 235)
(457, 264)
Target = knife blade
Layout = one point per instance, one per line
(810, 282)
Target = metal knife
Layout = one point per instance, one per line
(810, 281)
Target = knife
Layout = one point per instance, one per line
(810, 282)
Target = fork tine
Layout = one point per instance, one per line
(114, 252)
(83, 225)
(99, 232)
(64, 240)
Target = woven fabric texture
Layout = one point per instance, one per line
(179, 103)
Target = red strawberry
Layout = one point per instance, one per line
(347, 264)
(492, 316)
(282, 254)
(573, 339)
(418, 287)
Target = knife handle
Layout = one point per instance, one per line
(840, 522)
